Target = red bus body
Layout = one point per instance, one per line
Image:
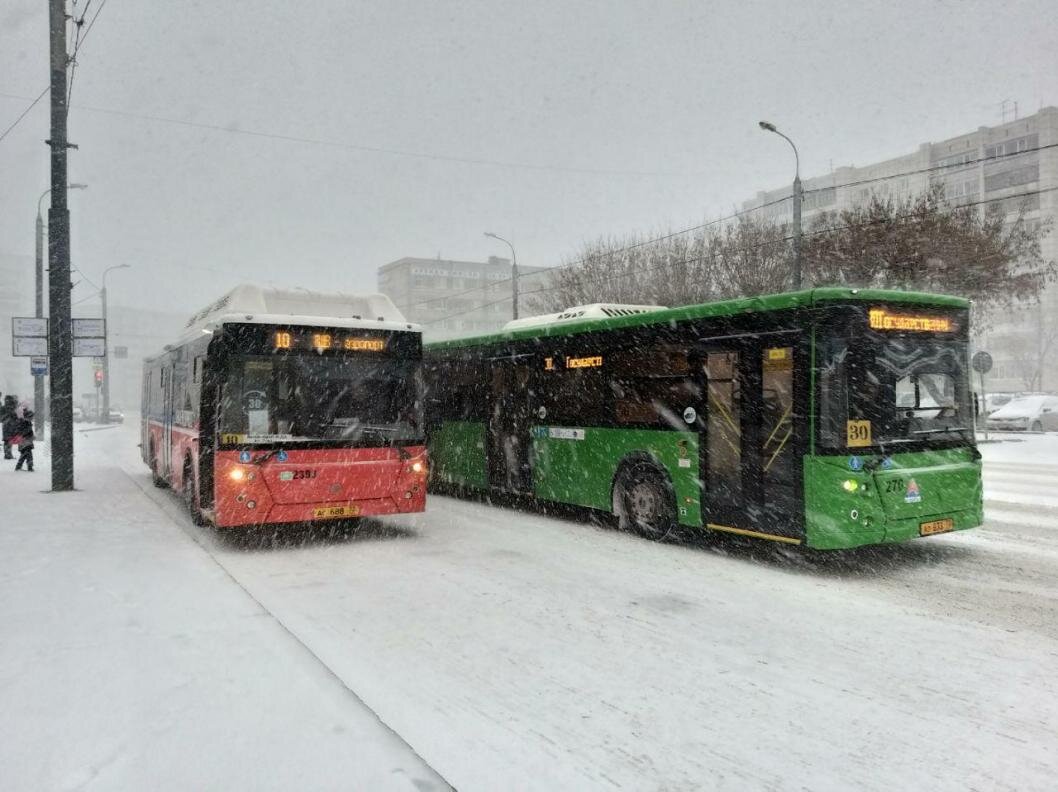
(197, 392)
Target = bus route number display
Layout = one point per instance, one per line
(286, 339)
(858, 433)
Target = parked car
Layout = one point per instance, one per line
(1032, 413)
(116, 415)
(993, 401)
(78, 414)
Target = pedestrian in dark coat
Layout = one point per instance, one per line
(9, 418)
(24, 431)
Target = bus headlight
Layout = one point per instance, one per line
(417, 466)
(849, 485)
(236, 474)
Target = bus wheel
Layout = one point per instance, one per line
(190, 498)
(643, 502)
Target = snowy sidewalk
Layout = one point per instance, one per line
(131, 660)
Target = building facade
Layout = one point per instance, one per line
(456, 298)
(1012, 167)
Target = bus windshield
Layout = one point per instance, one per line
(893, 390)
(341, 398)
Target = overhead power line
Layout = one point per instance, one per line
(930, 169)
(624, 249)
(73, 65)
(25, 112)
(747, 249)
(366, 148)
(744, 212)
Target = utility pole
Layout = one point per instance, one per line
(38, 379)
(60, 337)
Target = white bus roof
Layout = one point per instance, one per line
(592, 311)
(250, 304)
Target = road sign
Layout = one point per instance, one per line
(89, 347)
(38, 366)
(22, 346)
(89, 328)
(982, 362)
(34, 326)
(121, 352)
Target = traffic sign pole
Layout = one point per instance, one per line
(982, 364)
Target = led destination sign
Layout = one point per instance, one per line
(592, 361)
(289, 339)
(881, 319)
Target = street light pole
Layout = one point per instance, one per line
(38, 379)
(105, 417)
(514, 273)
(797, 196)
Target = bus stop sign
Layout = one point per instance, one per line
(982, 362)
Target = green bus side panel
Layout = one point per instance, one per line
(457, 454)
(579, 468)
(890, 502)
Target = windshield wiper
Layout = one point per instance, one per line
(938, 431)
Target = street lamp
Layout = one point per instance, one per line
(105, 417)
(797, 194)
(514, 273)
(38, 379)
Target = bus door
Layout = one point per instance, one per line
(167, 419)
(510, 417)
(749, 457)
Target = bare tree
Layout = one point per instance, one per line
(921, 243)
(925, 244)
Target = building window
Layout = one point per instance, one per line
(1012, 178)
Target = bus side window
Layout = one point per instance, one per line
(651, 385)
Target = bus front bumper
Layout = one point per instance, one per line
(235, 514)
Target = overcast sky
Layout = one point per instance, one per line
(549, 122)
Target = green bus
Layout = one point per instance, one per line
(830, 418)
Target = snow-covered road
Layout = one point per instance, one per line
(515, 651)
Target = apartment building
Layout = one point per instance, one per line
(456, 298)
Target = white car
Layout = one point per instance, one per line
(1032, 413)
(78, 414)
(993, 401)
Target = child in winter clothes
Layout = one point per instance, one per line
(24, 432)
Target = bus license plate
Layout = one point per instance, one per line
(936, 526)
(333, 512)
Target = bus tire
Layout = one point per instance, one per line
(644, 501)
(156, 480)
(190, 498)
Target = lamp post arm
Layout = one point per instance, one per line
(39, 200)
(797, 157)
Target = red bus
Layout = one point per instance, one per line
(289, 407)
